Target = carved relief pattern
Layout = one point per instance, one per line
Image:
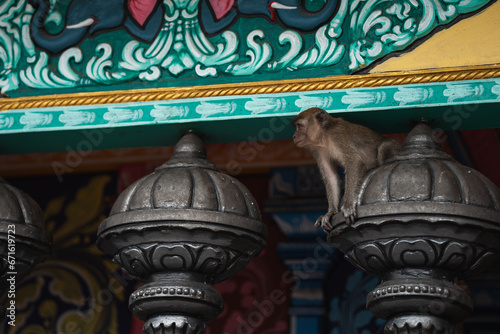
(405, 289)
(384, 255)
(442, 236)
(142, 260)
(416, 327)
(383, 27)
(173, 328)
(374, 29)
(415, 304)
(170, 291)
(177, 326)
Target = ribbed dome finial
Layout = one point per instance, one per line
(187, 186)
(190, 145)
(17, 207)
(422, 178)
(423, 222)
(20, 214)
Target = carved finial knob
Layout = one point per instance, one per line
(422, 136)
(190, 145)
(189, 152)
(421, 142)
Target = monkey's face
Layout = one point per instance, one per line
(310, 126)
(300, 137)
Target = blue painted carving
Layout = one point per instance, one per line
(296, 182)
(293, 206)
(87, 18)
(219, 15)
(348, 313)
(329, 295)
(292, 183)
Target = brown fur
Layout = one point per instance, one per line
(335, 142)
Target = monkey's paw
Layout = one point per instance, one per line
(350, 212)
(324, 221)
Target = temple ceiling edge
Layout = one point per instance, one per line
(145, 78)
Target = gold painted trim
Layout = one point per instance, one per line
(251, 88)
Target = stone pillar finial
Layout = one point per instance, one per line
(424, 222)
(24, 240)
(180, 229)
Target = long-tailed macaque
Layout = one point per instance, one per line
(335, 142)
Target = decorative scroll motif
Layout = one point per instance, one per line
(175, 326)
(142, 260)
(275, 87)
(427, 327)
(163, 41)
(382, 27)
(382, 256)
(351, 304)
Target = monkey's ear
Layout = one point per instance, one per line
(323, 119)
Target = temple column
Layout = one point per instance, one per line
(24, 241)
(424, 222)
(180, 229)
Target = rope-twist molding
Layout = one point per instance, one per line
(252, 88)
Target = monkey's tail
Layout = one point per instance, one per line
(386, 150)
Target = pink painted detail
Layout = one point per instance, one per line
(141, 9)
(271, 10)
(221, 7)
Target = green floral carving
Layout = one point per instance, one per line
(382, 27)
(360, 33)
(11, 34)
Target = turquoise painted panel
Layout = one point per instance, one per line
(249, 118)
(207, 110)
(65, 46)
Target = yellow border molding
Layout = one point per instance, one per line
(253, 88)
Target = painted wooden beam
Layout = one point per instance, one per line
(254, 117)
